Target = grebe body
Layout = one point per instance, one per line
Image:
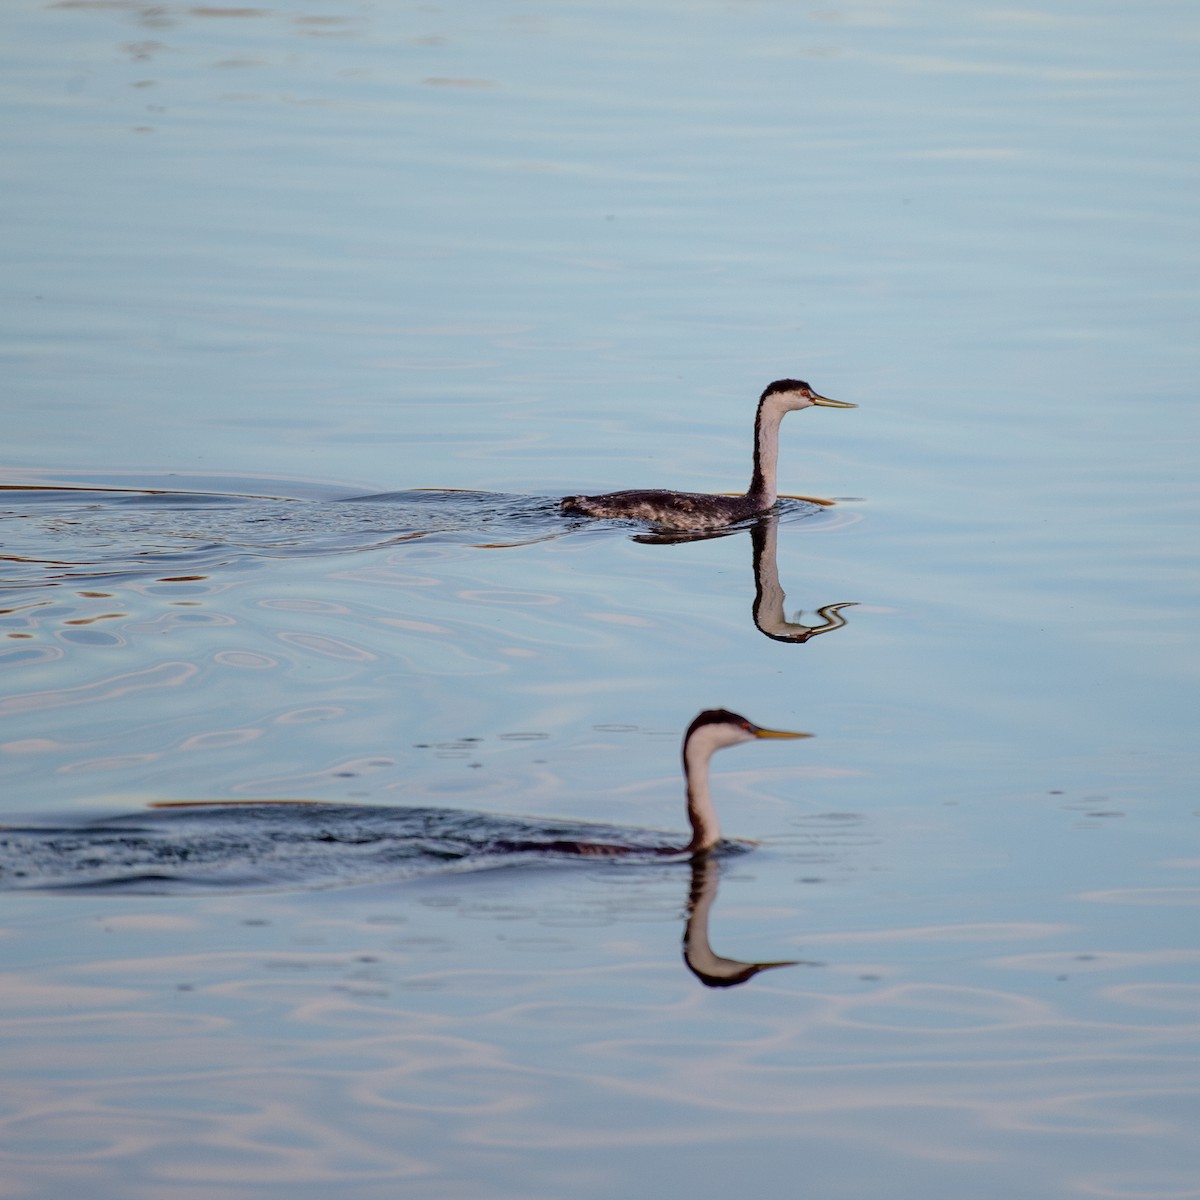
(701, 510)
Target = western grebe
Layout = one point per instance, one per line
(713, 730)
(254, 844)
(701, 510)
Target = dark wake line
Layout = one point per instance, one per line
(53, 535)
(254, 846)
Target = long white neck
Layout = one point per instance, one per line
(766, 450)
(706, 832)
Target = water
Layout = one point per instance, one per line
(270, 270)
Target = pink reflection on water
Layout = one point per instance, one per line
(340, 1049)
(169, 674)
(112, 762)
(328, 647)
(304, 716)
(220, 739)
(246, 660)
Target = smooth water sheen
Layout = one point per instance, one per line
(269, 273)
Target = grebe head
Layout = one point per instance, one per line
(796, 394)
(716, 728)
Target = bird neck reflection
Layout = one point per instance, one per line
(767, 610)
(709, 967)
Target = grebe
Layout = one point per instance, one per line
(701, 510)
(254, 844)
(712, 730)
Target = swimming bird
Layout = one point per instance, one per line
(254, 844)
(711, 731)
(701, 510)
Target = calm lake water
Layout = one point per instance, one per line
(268, 270)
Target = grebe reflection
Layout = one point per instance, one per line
(709, 967)
(768, 612)
(700, 510)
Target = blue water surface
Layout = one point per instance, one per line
(266, 270)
